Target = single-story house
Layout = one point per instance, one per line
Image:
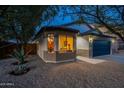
(57, 44)
(61, 44)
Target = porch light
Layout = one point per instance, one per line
(113, 40)
(90, 39)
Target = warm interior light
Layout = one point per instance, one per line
(50, 42)
(65, 43)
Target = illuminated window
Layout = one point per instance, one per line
(65, 43)
(70, 43)
(50, 42)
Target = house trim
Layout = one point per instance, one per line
(48, 61)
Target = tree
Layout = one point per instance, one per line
(18, 23)
(111, 17)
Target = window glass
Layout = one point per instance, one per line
(62, 43)
(65, 43)
(50, 42)
(69, 43)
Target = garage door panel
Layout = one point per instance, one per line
(101, 47)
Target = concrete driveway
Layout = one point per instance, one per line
(115, 58)
(90, 60)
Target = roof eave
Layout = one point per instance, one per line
(99, 35)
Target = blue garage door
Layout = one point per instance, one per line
(101, 47)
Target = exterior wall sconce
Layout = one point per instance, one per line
(90, 39)
(113, 40)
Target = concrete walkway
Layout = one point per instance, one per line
(90, 60)
(119, 58)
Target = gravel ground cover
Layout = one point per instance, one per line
(62, 75)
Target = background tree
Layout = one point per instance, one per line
(18, 23)
(111, 17)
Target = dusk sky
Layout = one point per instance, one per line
(59, 20)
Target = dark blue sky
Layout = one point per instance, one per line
(60, 20)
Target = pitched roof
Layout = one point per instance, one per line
(55, 28)
(95, 33)
(59, 28)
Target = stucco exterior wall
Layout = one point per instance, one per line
(41, 46)
(83, 48)
(58, 57)
(68, 56)
(83, 52)
(114, 46)
(49, 57)
(82, 43)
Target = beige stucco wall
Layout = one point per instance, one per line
(114, 46)
(41, 46)
(83, 48)
(82, 43)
